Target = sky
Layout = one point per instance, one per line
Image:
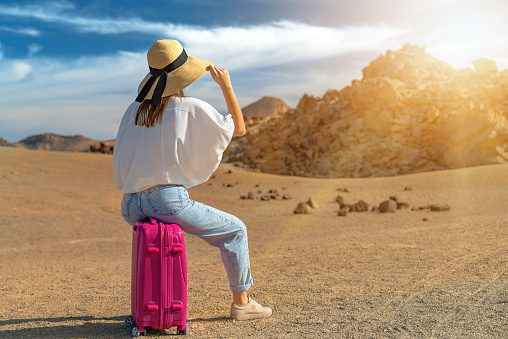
(73, 67)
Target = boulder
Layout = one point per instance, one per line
(440, 207)
(388, 206)
(312, 203)
(484, 66)
(360, 206)
(303, 208)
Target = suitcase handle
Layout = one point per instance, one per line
(152, 250)
(177, 250)
(152, 307)
(176, 307)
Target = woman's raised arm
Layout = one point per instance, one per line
(221, 77)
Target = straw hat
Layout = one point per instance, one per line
(168, 61)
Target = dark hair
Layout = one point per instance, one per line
(149, 116)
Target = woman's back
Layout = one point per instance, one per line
(185, 148)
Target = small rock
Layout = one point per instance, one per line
(243, 197)
(250, 195)
(339, 199)
(342, 212)
(425, 219)
(388, 206)
(229, 185)
(402, 205)
(257, 185)
(272, 191)
(303, 208)
(375, 209)
(286, 197)
(260, 191)
(394, 198)
(440, 207)
(360, 206)
(312, 203)
(407, 188)
(230, 171)
(265, 198)
(273, 196)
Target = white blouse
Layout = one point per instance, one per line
(184, 149)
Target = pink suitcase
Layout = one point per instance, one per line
(159, 278)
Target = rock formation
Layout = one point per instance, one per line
(5, 143)
(264, 107)
(409, 113)
(56, 142)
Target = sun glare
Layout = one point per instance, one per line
(463, 32)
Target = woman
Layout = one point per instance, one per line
(168, 142)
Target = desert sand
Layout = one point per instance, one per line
(65, 254)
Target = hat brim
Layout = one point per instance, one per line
(193, 69)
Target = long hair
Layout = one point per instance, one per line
(147, 115)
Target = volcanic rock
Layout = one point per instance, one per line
(360, 206)
(265, 106)
(409, 113)
(388, 206)
(440, 207)
(312, 203)
(303, 208)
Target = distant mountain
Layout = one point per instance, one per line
(56, 142)
(265, 106)
(4, 142)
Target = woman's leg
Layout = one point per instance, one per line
(171, 204)
(220, 229)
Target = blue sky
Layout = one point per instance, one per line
(72, 67)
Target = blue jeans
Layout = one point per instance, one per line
(171, 204)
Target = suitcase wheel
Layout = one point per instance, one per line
(184, 332)
(135, 331)
(129, 322)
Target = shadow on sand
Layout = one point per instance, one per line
(80, 327)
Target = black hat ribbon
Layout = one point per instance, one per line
(161, 85)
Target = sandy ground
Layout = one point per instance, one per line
(65, 254)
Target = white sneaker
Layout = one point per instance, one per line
(252, 310)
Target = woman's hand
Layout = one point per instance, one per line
(221, 76)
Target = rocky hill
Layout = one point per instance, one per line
(409, 113)
(4, 142)
(264, 107)
(55, 142)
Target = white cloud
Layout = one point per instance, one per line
(235, 46)
(59, 12)
(280, 42)
(21, 30)
(12, 71)
(34, 49)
